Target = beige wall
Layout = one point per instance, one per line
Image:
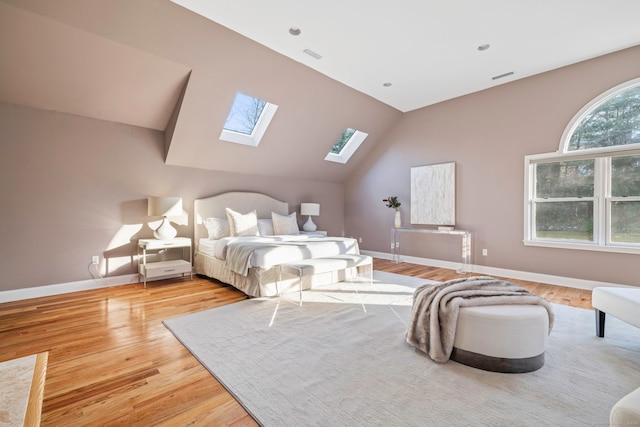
(488, 134)
(140, 54)
(74, 187)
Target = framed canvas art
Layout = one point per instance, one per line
(433, 194)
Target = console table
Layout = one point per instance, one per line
(464, 234)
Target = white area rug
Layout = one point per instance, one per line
(341, 360)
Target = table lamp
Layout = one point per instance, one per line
(310, 209)
(164, 207)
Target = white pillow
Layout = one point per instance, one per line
(265, 227)
(242, 225)
(217, 228)
(285, 224)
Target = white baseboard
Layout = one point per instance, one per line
(65, 288)
(83, 285)
(502, 272)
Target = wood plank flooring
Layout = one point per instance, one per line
(112, 362)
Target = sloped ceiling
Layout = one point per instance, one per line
(105, 54)
(139, 62)
(428, 49)
(48, 65)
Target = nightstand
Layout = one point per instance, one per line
(318, 233)
(148, 270)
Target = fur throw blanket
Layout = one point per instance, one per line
(435, 310)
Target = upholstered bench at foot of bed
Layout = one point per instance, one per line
(313, 266)
(623, 303)
(502, 338)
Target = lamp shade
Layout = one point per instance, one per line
(165, 206)
(312, 209)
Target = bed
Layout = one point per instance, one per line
(251, 263)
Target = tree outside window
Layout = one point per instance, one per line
(588, 195)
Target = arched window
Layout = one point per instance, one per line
(587, 195)
(610, 120)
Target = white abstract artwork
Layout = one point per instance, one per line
(433, 194)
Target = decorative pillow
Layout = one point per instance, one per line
(265, 227)
(242, 224)
(217, 228)
(285, 224)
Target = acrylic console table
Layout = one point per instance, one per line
(464, 234)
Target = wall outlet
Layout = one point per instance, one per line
(95, 259)
(485, 252)
(359, 239)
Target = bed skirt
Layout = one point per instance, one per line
(260, 282)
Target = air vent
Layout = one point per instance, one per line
(502, 75)
(312, 54)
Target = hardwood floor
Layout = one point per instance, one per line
(573, 297)
(112, 362)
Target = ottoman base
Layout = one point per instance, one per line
(502, 338)
(497, 364)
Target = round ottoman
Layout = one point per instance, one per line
(502, 338)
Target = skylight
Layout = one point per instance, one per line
(346, 145)
(248, 120)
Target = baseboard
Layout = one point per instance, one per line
(502, 272)
(65, 288)
(83, 285)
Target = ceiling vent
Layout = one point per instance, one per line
(502, 75)
(312, 54)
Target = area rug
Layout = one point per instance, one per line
(340, 359)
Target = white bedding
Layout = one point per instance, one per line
(260, 280)
(274, 250)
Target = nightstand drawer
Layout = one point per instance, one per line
(154, 244)
(166, 268)
(318, 233)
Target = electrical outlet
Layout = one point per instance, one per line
(485, 252)
(359, 239)
(95, 259)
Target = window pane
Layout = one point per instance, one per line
(244, 114)
(614, 122)
(564, 220)
(625, 222)
(565, 179)
(625, 176)
(344, 138)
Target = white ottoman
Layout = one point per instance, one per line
(502, 338)
(627, 411)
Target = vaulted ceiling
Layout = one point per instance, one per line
(156, 64)
(431, 50)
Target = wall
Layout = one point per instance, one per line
(140, 54)
(488, 134)
(74, 187)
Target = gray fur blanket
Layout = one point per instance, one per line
(435, 310)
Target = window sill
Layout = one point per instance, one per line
(583, 246)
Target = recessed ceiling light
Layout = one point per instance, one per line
(387, 84)
(294, 31)
(484, 47)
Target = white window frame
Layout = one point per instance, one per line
(349, 148)
(259, 129)
(602, 192)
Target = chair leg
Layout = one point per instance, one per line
(300, 288)
(600, 318)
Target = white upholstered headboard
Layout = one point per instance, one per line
(239, 201)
